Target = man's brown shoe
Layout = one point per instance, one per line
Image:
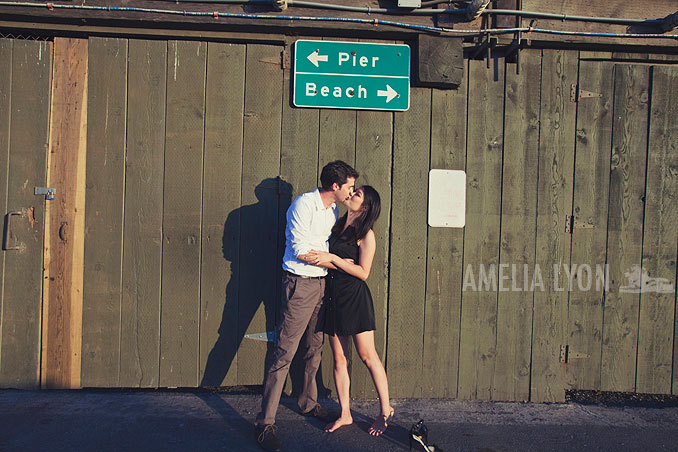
(267, 439)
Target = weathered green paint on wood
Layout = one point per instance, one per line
(28, 133)
(590, 206)
(142, 241)
(180, 312)
(407, 281)
(104, 195)
(299, 152)
(518, 229)
(374, 136)
(445, 251)
(625, 225)
(554, 203)
(656, 341)
(234, 206)
(478, 342)
(219, 269)
(5, 105)
(337, 140)
(259, 212)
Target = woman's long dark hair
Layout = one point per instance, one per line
(371, 210)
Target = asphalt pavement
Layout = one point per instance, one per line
(90, 420)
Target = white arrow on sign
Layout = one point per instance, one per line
(389, 93)
(314, 57)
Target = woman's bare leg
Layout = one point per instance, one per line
(342, 381)
(364, 343)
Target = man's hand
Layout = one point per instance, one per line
(304, 257)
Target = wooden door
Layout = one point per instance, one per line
(622, 273)
(25, 78)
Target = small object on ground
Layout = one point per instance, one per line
(419, 433)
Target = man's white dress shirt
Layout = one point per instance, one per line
(309, 226)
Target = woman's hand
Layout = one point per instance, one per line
(320, 257)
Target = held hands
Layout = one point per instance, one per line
(315, 257)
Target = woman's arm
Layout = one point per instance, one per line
(311, 259)
(367, 247)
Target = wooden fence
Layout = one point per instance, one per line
(185, 156)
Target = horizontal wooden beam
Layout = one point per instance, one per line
(646, 10)
(295, 21)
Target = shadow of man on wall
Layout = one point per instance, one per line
(251, 243)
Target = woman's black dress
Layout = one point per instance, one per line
(348, 302)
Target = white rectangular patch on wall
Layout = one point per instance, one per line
(446, 198)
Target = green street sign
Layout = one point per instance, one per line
(355, 75)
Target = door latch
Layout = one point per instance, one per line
(48, 192)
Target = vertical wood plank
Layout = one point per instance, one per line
(219, 338)
(182, 201)
(259, 213)
(104, 193)
(336, 136)
(64, 239)
(301, 136)
(26, 94)
(5, 108)
(590, 205)
(445, 251)
(656, 374)
(625, 226)
(142, 241)
(336, 141)
(518, 229)
(300, 173)
(407, 283)
(554, 203)
(478, 343)
(374, 137)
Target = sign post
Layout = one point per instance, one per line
(355, 75)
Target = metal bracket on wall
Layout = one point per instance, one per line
(572, 223)
(513, 52)
(484, 48)
(566, 354)
(577, 94)
(48, 192)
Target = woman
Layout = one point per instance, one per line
(349, 311)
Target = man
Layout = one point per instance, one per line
(310, 219)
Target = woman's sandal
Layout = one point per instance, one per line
(384, 420)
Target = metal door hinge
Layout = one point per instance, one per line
(572, 223)
(286, 58)
(48, 192)
(576, 94)
(566, 354)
